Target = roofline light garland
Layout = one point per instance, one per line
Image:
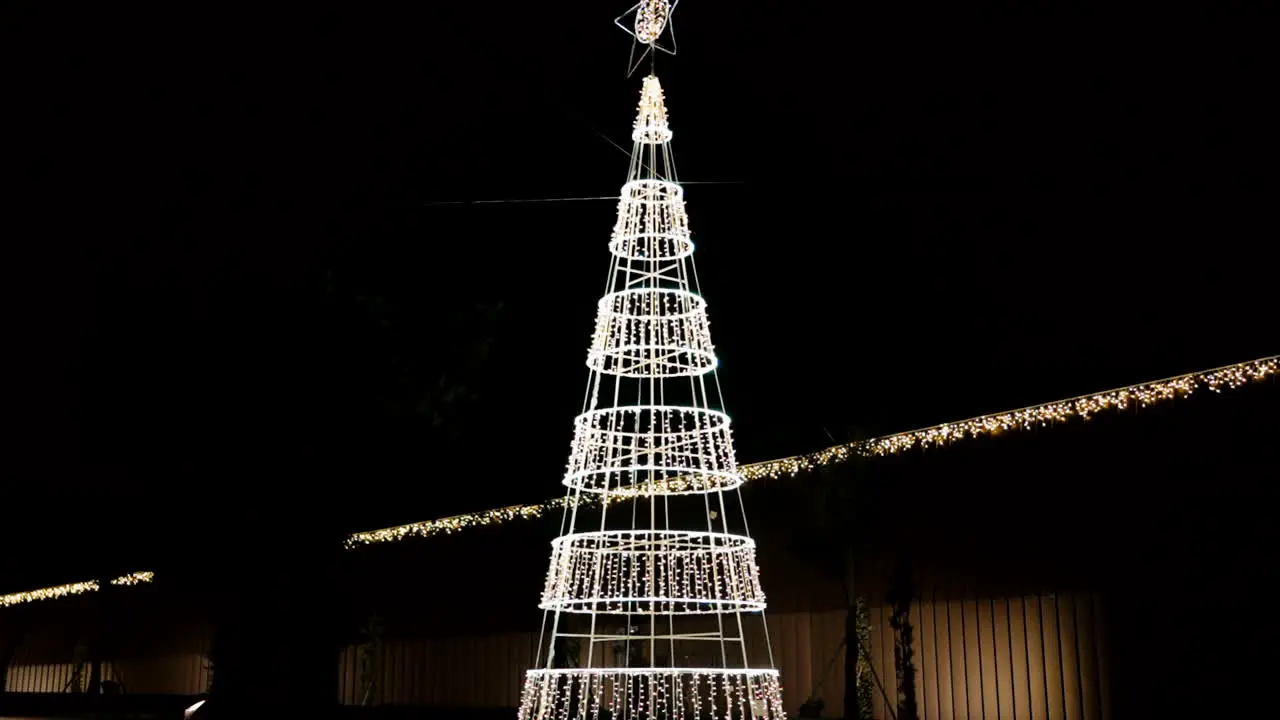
(136, 578)
(79, 588)
(1229, 377)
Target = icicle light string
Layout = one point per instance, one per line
(1216, 380)
(59, 591)
(1145, 394)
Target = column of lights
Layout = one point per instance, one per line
(651, 430)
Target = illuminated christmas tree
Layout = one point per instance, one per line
(653, 605)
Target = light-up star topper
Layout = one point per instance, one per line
(649, 22)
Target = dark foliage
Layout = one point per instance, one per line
(900, 597)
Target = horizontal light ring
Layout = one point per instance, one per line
(721, 419)
(745, 672)
(652, 450)
(726, 541)
(681, 572)
(651, 606)
(652, 223)
(652, 333)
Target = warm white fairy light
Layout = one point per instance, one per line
(634, 450)
(1230, 377)
(651, 126)
(1035, 416)
(49, 593)
(457, 523)
(78, 588)
(652, 222)
(675, 693)
(135, 578)
(652, 333)
(651, 19)
(649, 23)
(663, 571)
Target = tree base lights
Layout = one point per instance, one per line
(679, 694)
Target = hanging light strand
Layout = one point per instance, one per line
(1230, 377)
(1142, 395)
(79, 588)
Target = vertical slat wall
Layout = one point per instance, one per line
(455, 672)
(1029, 657)
(185, 674)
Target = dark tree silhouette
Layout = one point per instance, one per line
(841, 499)
(900, 597)
(359, 381)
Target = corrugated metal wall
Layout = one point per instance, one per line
(174, 675)
(464, 671)
(1025, 657)
(1018, 657)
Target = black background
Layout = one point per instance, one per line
(227, 231)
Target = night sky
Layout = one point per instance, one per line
(241, 254)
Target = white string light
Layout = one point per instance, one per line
(651, 19)
(648, 21)
(78, 588)
(137, 578)
(637, 450)
(675, 693)
(652, 332)
(618, 571)
(651, 126)
(652, 222)
(1035, 416)
(1145, 394)
(49, 593)
(1217, 380)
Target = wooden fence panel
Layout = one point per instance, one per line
(1088, 666)
(1069, 658)
(1032, 658)
(1036, 659)
(1002, 646)
(987, 659)
(1019, 674)
(1052, 654)
(1102, 653)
